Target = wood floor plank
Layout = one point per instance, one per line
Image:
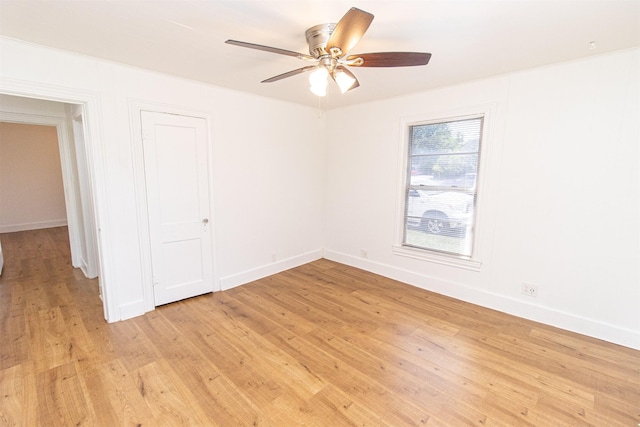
(13, 324)
(12, 399)
(393, 409)
(274, 310)
(170, 401)
(616, 411)
(128, 343)
(62, 399)
(35, 294)
(620, 362)
(212, 392)
(357, 314)
(338, 409)
(51, 344)
(416, 389)
(114, 395)
(441, 377)
(236, 365)
(235, 392)
(293, 303)
(322, 344)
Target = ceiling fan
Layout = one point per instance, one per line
(328, 48)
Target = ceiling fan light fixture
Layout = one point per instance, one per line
(329, 45)
(318, 81)
(343, 80)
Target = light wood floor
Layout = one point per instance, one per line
(320, 345)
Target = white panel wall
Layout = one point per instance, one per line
(559, 203)
(267, 158)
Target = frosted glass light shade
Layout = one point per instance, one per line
(344, 80)
(318, 81)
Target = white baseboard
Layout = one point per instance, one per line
(130, 310)
(12, 228)
(238, 279)
(137, 308)
(83, 268)
(548, 316)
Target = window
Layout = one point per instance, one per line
(440, 191)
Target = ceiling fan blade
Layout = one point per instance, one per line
(389, 59)
(336, 78)
(348, 31)
(289, 74)
(270, 49)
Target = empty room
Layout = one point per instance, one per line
(320, 213)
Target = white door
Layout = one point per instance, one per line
(177, 181)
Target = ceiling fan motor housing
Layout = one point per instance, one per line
(317, 38)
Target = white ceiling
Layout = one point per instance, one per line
(469, 40)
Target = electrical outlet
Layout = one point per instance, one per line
(530, 289)
(274, 257)
(364, 253)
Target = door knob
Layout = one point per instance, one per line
(205, 221)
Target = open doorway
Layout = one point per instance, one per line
(31, 187)
(48, 181)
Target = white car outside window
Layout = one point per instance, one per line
(441, 208)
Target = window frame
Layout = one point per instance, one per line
(473, 262)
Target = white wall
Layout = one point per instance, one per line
(559, 202)
(268, 173)
(31, 191)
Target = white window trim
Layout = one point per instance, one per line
(474, 262)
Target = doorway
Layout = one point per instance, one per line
(31, 187)
(77, 200)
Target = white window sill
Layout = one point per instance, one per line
(450, 260)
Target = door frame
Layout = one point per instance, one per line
(144, 237)
(74, 167)
(90, 266)
(90, 102)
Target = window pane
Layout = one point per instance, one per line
(423, 165)
(457, 170)
(441, 185)
(448, 244)
(445, 137)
